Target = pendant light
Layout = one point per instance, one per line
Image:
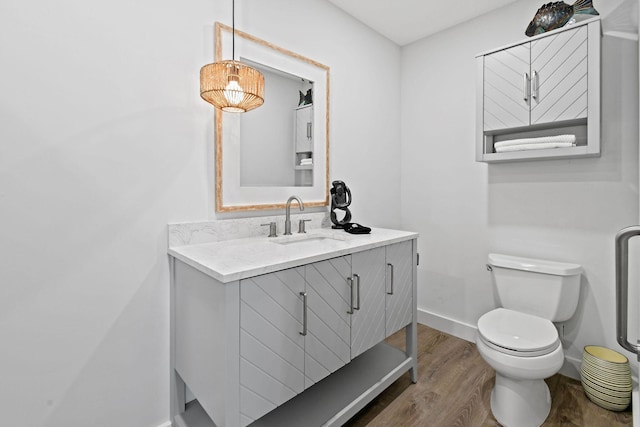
(231, 85)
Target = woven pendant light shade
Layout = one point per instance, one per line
(232, 86)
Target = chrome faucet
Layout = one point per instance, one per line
(287, 220)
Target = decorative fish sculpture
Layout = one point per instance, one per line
(555, 15)
(306, 99)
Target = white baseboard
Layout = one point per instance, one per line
(165, 424)
(571, 367)
(447, 325)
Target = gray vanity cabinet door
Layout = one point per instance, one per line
(399, 286)
(506, 88)
(271, 346)
(559, 71)
(327, 341)
(368, 318)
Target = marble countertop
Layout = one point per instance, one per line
(232, 260)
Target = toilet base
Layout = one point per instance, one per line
(520, 403)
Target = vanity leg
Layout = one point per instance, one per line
(178, 391)
(411, 331)
(411, 342)
(177, 388)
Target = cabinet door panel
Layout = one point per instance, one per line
(271, 347)
(400, 303)
(281, 341)
(368, 323)
(561, 65)
(326, 344)
(504, 88)
(253, 406)
(325, 352)
(329, 323)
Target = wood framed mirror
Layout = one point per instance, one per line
(262, 156)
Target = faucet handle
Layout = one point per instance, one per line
(272, 229)
(301, 225)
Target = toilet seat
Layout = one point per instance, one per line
(517, 333)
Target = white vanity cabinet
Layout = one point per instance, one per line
(345, 300)
(264, 349)
(383, 287)
(399, 287)
(283, 351)
(368, 318)
(328, 324)
(547, 85)
(272, 348)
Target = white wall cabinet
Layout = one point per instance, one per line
(506, 102)
(304, 129)
(303, 145)
(249, 349)
(547, 85)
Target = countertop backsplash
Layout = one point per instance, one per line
(193, 233)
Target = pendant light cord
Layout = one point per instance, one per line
(233, 30)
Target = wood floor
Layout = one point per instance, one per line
(454, 387)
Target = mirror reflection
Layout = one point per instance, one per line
(283, 155)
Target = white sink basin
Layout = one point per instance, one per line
(306, 239)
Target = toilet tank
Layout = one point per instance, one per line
(547, 289)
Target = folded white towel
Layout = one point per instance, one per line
(540, 140)
(306, 162)
(536, 146)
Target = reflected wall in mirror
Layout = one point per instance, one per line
(282, 148)
(288, 145)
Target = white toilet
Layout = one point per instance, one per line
(519, 339)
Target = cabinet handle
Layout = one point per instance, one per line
(272, 229)
(357, 307)
(391, 291)
(534, 85)
(304, 313)
(526, 87)
(350, 280)
(308, 130)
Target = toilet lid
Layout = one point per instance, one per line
(519, 333)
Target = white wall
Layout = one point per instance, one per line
(267, 149)
(567, 210)
(103, 141)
